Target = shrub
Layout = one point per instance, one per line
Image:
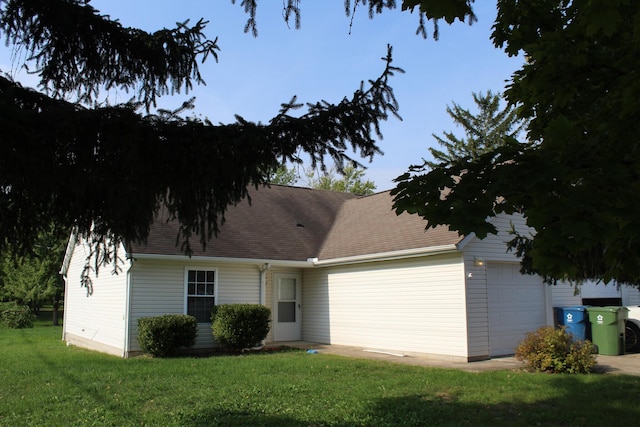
(16, 316)
(554, 350)
(240, 326)
(163, 335)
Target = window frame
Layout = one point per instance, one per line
(187, 295)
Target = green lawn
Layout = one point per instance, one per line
(45, 383)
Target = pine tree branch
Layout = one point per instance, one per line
(77, 51)
(108, 170)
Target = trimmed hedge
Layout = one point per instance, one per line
(554, 350)
(15, 316)
(240, 326)
(162, 336)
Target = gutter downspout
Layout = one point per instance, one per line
(263, 282)
(263, 288)
(64, 305)
(126, 316)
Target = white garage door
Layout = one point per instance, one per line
(516, 306)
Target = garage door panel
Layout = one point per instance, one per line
(516, 306)
(413, 306)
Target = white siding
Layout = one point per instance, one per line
(158, 287)
(517, 305)
(316, 325)
(494, 246)
(564, 295)
(491, 249)
(415, 305)
(630, 295)
(95, 320)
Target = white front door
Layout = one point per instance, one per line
(286, 307)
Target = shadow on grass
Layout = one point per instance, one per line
(566, 400)
(218, 352)
(578, 403)
(88, 394)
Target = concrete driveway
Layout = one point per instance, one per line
(628, 364)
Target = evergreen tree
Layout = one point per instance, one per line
(79, 164)
(106, 169)
(484, 131)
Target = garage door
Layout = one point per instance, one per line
(516, 306)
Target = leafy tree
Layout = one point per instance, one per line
(577, 178)
(33, 279)
(350, 180)
(484, 131)
(284, 176)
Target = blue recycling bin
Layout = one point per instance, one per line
(576, 321)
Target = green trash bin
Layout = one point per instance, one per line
(607, 329)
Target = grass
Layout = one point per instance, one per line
(46, 383)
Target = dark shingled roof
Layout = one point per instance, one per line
(295, 224)
(280, 223)
(369, 225)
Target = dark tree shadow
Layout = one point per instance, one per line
(576, 403)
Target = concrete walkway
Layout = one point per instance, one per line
(626, 364)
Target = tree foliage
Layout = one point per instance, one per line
(33, 279)
(107, 169)
(284, 176)
(349, 180)
(484, 131)
(426, 10)
(577, 178)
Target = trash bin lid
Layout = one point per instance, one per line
(576, 308)
(607, 309)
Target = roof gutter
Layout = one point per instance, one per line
(209, 259)
(311, 262)
(387, 256)
(71, 243)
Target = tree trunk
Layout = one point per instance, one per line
(54, 314)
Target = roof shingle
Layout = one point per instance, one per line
(280, 223)
(295, 224)
(369, 225)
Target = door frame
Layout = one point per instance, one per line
(287, 331)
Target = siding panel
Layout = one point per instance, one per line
(95, 320)
(630, 295)
(491, 249)
(158, 287)
(414, 305)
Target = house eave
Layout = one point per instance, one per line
(388, 256)
(311, 262)
(208, 259)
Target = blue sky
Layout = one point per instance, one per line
(323, 61)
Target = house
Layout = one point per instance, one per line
(334, 268)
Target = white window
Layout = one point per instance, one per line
(201, 291)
